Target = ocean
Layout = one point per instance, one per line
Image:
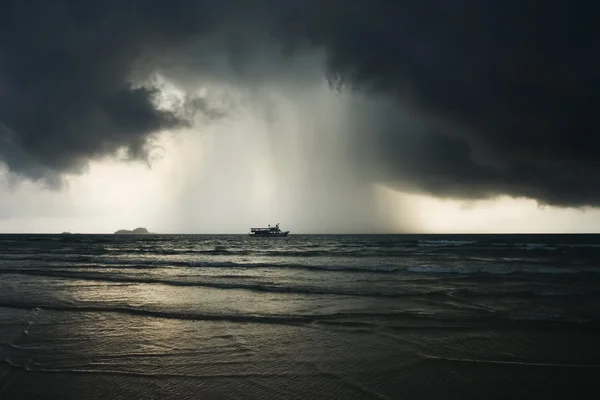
(301, 317)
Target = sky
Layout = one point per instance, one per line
(329, 116)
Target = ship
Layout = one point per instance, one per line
(270, 231)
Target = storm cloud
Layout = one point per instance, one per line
(464, 99)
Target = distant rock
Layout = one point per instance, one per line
(136, 231)
(66, 233)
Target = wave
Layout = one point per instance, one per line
(516, 293)
(401, 251)
(444, 242)
(536, 246)
(390, 269)
(532, 246)
(589, 245)
(285, 253)
(442, 296)
(513, 363)
(308, 267)
(251, 286)
(499, 270)
(395, 269)
(391, 320)
(216, 251)
(166, 263)
(265, 318)
(487, 269)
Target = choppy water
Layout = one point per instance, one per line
(367, 316)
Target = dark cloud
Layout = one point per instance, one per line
(505, 92)
(72, 87)
(508, 90)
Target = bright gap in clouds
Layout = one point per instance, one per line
(113, 196)
(280, 155)
(277, 157)
(500, 215)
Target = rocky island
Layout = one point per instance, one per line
(136, 231)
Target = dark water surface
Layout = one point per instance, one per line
(302, 317)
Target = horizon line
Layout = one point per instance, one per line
(301, 233)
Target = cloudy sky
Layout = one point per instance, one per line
(323, 115)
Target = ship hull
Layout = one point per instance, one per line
(279, 234)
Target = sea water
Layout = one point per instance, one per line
(300, 317)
